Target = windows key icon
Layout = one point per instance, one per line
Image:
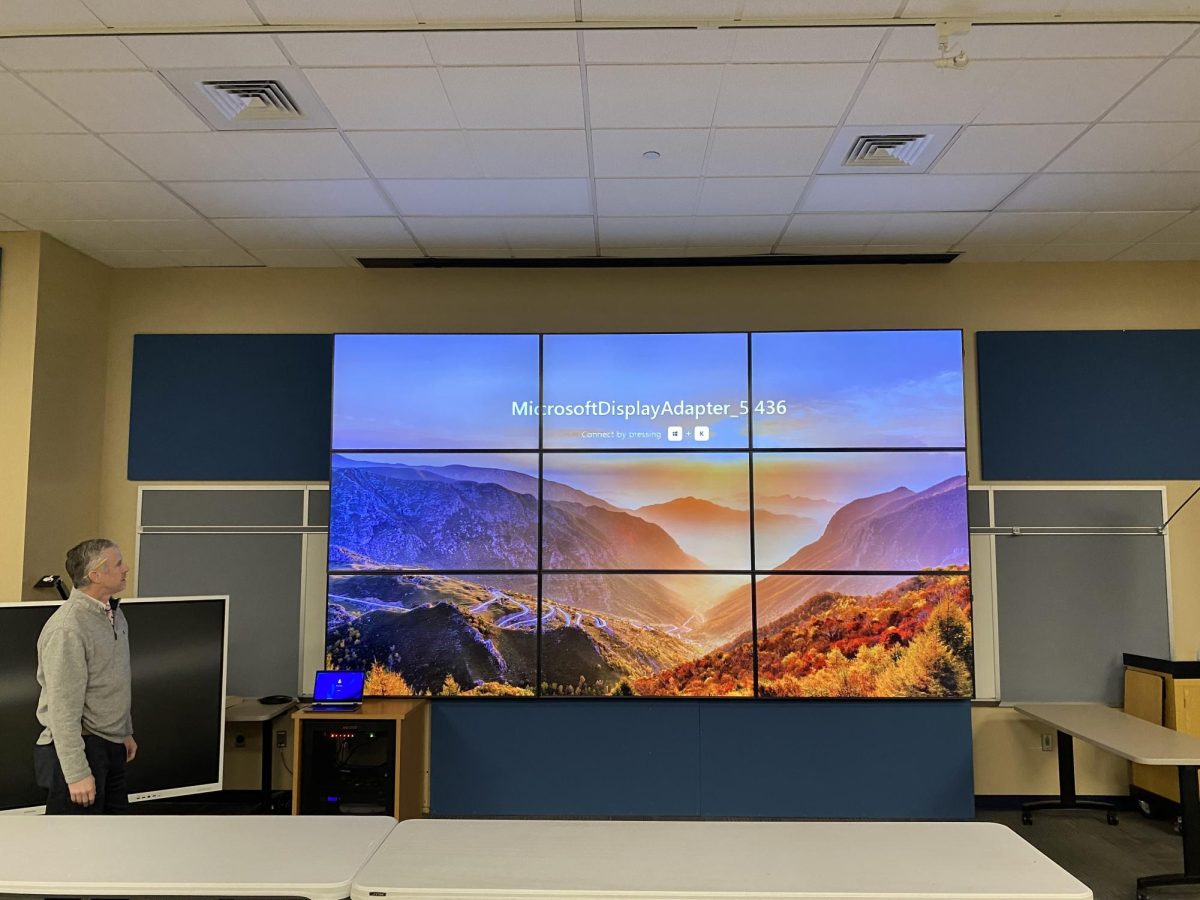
(674, 432)
(700, 432)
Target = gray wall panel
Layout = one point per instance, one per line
(1067, 508)
(1070, 605)
(191, 507)
(318, 507)
(261, 574)
(978, 509)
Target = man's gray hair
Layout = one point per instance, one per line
(86, 557)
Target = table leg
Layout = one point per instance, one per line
(268, 757)
(1189, 805)
(1067, 798)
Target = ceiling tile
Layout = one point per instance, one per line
(996, 92)
(661, 45)
(152, 259)
(787, 94)
(45, 15)
(9, 225)
(195, 51)
(452, 232)
(735, 231)
(530, 154)
(416, 154)
(570, 233)
(1061, 252)
(926, 228)
(981, 149)
(529, 97)
(907, 193)
(371, 99)
(749, 196)
(357, 49)
(646, 196)
(208, 258)
(24, 111)
(766, 151)
(1160, 252)
(90, 200)
(554, 253)
(665, 10)
(994, 253)
(1169, 95)
(343, 12)
(618, 252)
(1116, 147)
(1108, 192)
(62, 157)
(144, 13)
(1185, 230)
(820, 9)
(303, 259)
(140, 235)
(1042, 41)
(435, 252)
(618, 152)
(809, 45)
(289, 199)
(1191, 48)
(1118, 227)
(705, 251)
(503, 48)
(645, 232)
(494, 10)
(305, 234)
(352, 254)
(828, 229)
(653, 96)
(66, 53)
(928, 9)
(495, 197)
(110, 102)
(238, 156)
(1023, 228)
(1187, 161)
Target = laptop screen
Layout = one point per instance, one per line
(338, 687)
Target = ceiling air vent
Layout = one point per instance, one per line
(251, 99)
(887, 150)
(262, 100)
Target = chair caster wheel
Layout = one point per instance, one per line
(1113, 819)
(1026, 818)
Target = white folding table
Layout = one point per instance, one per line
(311, 857)
(1138, 741)
(600, 860)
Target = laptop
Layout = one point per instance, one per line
(338, 691)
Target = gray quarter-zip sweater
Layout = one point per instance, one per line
(83, 670)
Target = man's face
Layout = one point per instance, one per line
(111, 573)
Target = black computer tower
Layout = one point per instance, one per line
(348, 767)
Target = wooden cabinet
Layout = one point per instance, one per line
(408, 720)
(1166, 692)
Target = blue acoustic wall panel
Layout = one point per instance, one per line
(230, 407)
(713, 759)
(1089, 405)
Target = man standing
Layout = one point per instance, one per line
(83, 670)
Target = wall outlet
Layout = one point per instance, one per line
(1047, 741)
(281, 739)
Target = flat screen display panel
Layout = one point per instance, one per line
(177, 659)
(663, 515)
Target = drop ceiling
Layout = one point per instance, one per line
(531, 128)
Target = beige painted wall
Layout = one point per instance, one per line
(19, 255)
(1008, 759)
(68, 415)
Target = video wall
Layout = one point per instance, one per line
(650, 515)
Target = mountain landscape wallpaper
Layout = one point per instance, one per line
(646, 520)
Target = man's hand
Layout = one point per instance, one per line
(130, 748)
(83, 792)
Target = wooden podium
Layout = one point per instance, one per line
(411, 719)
